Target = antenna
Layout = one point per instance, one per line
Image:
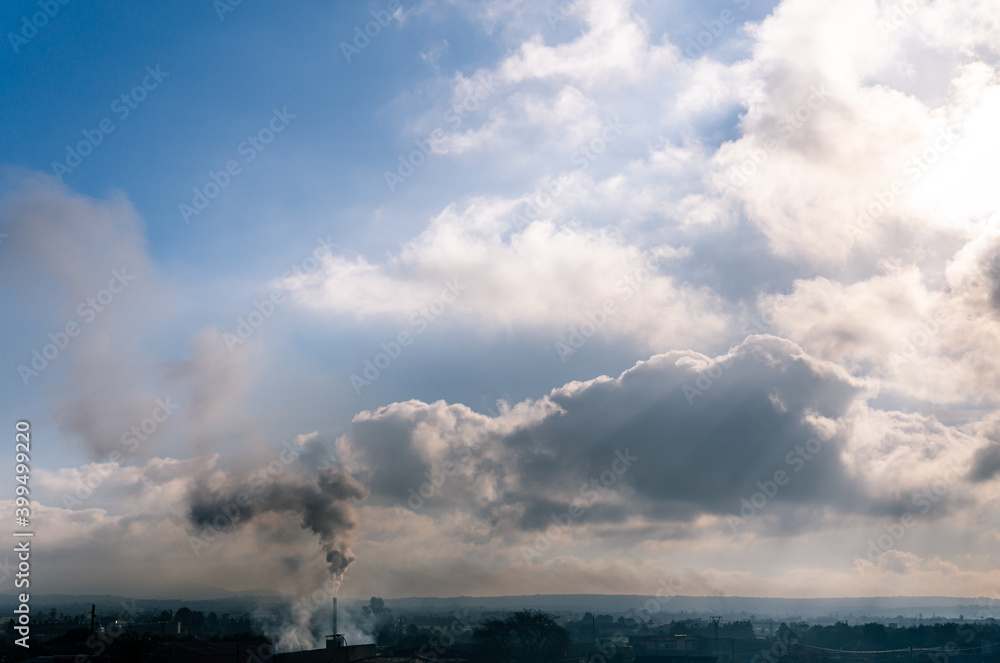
(715, 623)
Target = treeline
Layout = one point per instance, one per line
(158, 621)
(591, 627)
(962, 636)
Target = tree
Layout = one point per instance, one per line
(381, 620)
(376, 608)
(740, 630)
(494, 640)
(197, 620)
(875, 634)
(526, 636)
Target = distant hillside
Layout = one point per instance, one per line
(235, 602)
(209, 599)
(187, 592)
(778, 608)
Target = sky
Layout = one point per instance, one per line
(454, 297)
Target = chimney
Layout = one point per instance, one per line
(334, 640)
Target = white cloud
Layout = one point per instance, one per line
(544, 277)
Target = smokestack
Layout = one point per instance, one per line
(334, 640)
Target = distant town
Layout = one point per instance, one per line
(530, 629)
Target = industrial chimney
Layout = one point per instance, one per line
(335, 640)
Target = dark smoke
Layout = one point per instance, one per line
(324, 503)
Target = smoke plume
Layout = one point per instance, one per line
(324, 503)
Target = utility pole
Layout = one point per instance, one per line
(93, 616)
(715, 623)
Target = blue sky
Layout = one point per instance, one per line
(690, 230)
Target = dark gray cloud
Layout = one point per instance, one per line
(325, 505)
(643, 444)
(985, 463)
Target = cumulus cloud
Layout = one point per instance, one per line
(834, 159)
(766, 443)
(543, 276)
(673, 439)
(924, 336)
